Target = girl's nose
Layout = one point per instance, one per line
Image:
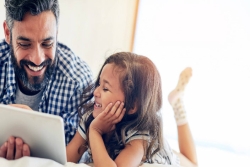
(96, 92)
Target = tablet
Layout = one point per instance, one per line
(44, 133)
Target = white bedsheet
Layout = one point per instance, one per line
(40, 162)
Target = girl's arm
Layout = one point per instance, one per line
(76, 148)
(130, 156)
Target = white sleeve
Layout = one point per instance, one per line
(174, 159)
(81, 128)
(133, 135)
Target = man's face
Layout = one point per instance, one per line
(33, 48)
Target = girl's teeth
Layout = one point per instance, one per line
(35, 68)
(98, 105)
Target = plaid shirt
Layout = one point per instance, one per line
(62, 95)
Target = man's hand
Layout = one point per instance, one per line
(14, 148)
(107, 119)
(21, 106)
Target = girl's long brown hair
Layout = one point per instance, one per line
(141, 84)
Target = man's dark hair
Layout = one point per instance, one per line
(16, 9)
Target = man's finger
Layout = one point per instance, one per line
(19, 148)
(10, 148)
(26, 150)
(21, 106)
(3, 150)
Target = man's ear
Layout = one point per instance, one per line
(6, 32)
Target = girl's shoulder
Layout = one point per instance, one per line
(135, 134)
(86, 115)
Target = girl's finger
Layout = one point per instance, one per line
(117, 112)
(107, 109)
(104, 114)
(120, 116)
(114, 108)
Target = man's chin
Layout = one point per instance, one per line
(30, 89)
(31, 84)
(36, 83)
(35, 87)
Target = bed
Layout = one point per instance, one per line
(40, 162)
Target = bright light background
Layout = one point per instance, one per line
(212, 37)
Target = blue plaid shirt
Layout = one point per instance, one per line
(62, 94)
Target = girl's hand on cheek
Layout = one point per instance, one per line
(106, 120)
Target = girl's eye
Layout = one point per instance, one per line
(105, 89)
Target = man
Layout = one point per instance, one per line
(38, 71)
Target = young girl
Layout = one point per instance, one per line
(123, 125)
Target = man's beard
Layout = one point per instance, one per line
(32, 83)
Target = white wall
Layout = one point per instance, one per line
(2, 18)
(213, 37)
(94, 29)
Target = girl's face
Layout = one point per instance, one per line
(109, 89)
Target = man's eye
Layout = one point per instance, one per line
(47, 45)
(24, 45)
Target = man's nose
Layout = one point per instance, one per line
(37, 56)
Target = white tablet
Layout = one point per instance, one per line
(44, 133)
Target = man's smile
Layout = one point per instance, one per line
(34, 70)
